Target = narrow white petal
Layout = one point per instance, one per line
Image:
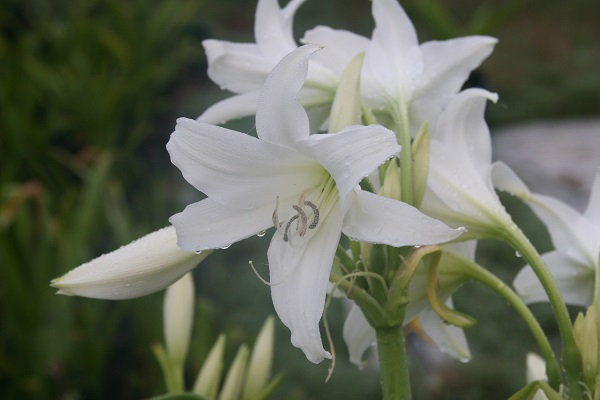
(300, 297)
(505, 179)
(351, 154)
(235, 168)
(237, 67)
(280, 118)
(376, 219)
(592, 212)
(570, 232)
(358, 335)
(234, 107)
(273, 27)
(393, 60)
(144, 266)
(462, 126)
(448, 338)
(211, 225)
(339, 47)
(447, 65)
(574, 280)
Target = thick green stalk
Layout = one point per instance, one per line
(395, 380)
(570, 353)
(480, 274)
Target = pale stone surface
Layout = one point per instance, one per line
(557, 158)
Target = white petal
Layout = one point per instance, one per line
(449, 339)
(575, 281)
(351, 154)
(144, 266)
(393, 59)
(234, 107)
(237, 67)
(273, 27)
(211, 225)
(570, 232)
(376, 219)
(447, 65)
(299, 298)
(235, 168)
(504, 178)
(340, 47)
(358, 335)
(280, 118)
(462, 126)
(592, 212)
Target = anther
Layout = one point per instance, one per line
(303, 220)
(315, 209)
(286, 237)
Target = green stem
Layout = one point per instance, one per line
(406, 160)
(480, 274)
(570, 353)
(395, 381)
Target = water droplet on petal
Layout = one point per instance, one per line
(197, 251)
(225, 247)
(261, 233)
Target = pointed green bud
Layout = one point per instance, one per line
(390, 186)
(585, 329)
(209, 377)
(178, 318)
(345, 110)
(261, 361)
(232, 387)
(420, 152)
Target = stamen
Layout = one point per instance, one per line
(315, 209)
(303, 218)
(275, 217)
(286, 237)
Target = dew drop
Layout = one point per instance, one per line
(517, 254)
(225, 247)
(197, 251)
(261, 233)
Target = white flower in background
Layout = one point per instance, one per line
(178, 318)
(144, 266)
(416, 80)
(576, 238)
(536, 371)
(304, 185)
(360, 336)
(243, 67)
(459, 185)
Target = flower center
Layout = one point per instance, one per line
(312, 207)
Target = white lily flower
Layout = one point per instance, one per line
(459, 186)
(243, 67)
(360, 336)
(419, 80)
(304, 185)
(144, 266)
(575, 236)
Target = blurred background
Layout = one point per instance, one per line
(89, 94)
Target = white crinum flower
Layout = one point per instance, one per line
(360, 336)
(459, 185)
(304, 185)
(398, 71)
(417, 80)
(144, 266)
(243, 67)
(576, 238)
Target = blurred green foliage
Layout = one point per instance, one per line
(90, 90)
